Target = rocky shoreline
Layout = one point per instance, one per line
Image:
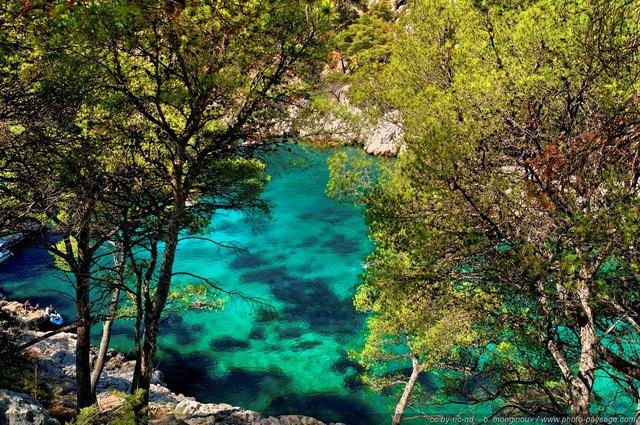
(55, 364)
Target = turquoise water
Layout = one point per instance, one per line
(304, 261)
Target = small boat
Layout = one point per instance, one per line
(9, 240)
(56, 319)
(5, 255)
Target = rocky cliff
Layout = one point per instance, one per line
(344, 123)
(55, 361)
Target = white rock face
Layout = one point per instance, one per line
(385, 137)
(22, 409)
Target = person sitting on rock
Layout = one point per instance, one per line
(28, 307)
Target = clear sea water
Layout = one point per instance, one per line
(305, 260)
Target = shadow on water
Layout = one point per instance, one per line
(313, 301)
(188, 374)
(344, 363)
(327, 215)
(305, 268)
(306, 345)
(258, 333)
(124, 329)
(229, 344)
(271, 276)
(290, 333)
(352, 371)
(246, 260)
(325, 407)
(309, 300)
(185, 333)
(242, 387)
(341, 244)
(308, 242)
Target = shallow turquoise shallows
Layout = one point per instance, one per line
(305, 261)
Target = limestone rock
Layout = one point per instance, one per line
(22, 409)
(384, 138)
(169, 420)
(299, 420)
(11, 307)
(33, 320)
(116, 362)
(346, 123)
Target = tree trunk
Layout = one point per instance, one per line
(135, 382)
(119, 265)
(153, 312)
(83, 348)
(155, 306)
(143, 302)
(582, 385)
(85, 397)
(104, 342)
(408, 388)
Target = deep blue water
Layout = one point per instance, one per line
(305, 261)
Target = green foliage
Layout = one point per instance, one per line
(367, 43)
(353, 176)
(123, 126)
(192, 296)
(510, 210)
(127, 414)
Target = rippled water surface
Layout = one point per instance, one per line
(305, 260)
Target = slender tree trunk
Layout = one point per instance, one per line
(582, 386)
(119, 266)
(83, 346)
(135, 382)
(142, 301)
(408, 388)
(153, 311)
(85, 397)
(155, 306)
(104, 342)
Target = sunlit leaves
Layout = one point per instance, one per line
(518, 135)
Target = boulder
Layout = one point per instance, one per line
(33, 320)
(384, 139)
(11, 307)
(22, 409)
